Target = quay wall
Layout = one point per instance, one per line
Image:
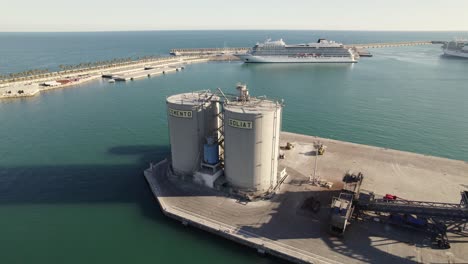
(158, 172)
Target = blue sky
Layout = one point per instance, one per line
(99, 15)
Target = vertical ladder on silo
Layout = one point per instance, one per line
(220, 129)
(220, 139)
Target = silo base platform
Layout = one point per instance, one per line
(284, 226)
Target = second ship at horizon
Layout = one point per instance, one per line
(323, 51)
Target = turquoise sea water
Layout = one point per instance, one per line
(23, 51)
(71, 160)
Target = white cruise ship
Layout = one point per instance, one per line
(320, 52)
(457, 48)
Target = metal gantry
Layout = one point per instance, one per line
(432, 217)
(420, 208)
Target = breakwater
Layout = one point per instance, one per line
(361, 49)
(33, 85)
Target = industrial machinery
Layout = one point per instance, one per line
(343, 206)
(321, 149)
(420, 215)
(368, 202)
(289, 146)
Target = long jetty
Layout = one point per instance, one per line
(143, 74)
(231, 51)
(389, 44)
(207, 51)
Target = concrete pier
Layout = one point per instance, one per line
(117, 73)
(141, 69)
(285, 228)
(143, 74)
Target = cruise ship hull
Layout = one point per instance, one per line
(248, 58)
(455, 53)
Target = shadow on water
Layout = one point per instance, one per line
(70, 184)
(101, 184)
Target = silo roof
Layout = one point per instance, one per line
(192, 98)
(253, 106)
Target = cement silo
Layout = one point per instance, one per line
(192, 117)
(251, 142)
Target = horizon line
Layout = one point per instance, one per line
(257, 29)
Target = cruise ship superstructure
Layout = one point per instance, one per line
(457, 48)
(279, 52)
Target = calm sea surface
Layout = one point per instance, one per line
(71, 160)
